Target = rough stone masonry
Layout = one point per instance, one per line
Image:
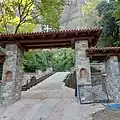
(10, 89)
(113, 78)
(82, 61)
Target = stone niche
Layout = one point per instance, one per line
(8, 76)
(82, 62)
(84, 75)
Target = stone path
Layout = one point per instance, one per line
(49, 100)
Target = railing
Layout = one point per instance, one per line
(34, 81)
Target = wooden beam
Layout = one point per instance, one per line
(55, 44)
(102, 54)
(48, 47)
(20, 46)
(54, 39)
(45, 41)
(73, 43)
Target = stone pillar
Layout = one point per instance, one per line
(113, 78)
(82, 61)
(82, 65)
(12, 75)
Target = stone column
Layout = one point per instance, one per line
(82, 62)
(12, 75)
(113, 78)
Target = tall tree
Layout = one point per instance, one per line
(110, 34)
(17, 15)
(59, 60)
(90, 17)
(116, 14)
(50, 11)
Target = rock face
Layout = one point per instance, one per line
(71, 15)
(12, 75)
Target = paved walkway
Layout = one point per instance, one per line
(49, 100)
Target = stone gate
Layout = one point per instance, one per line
(83, 41)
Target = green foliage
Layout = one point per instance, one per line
(50, 11)
(63, 60)
(117, 12)
(59, 60)
(34, 60)
(14, 14)
(90, 18)
(29, 62)
(110, 35)
(43, 59)
(17, 15)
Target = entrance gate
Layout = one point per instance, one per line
(89, 93)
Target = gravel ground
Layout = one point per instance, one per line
(107, 115)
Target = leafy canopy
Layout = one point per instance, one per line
(90, 18)
(59, 60)
(17, 15)
(108, 23)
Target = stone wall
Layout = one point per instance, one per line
(12, 75)
(113, 78)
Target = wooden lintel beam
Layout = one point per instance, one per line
(20, 46)
(11, 38)
(102, 54)
(22, 37)
(48, 47)
(53, 44)
(73, 43)
(77, 33)
(45, 41)
(54, 35)
(44, 36)
(57, 38)
(65, 35)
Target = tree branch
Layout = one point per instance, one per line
(26, 5)
(19, 8)
(22, 17)
(17, 27)
(27, 11)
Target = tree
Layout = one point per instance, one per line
(59, 60)
(14, 14)
(29, 62)
(43, 59)
(17, 15)
(90, 17)
(50, 11)
(116, 14)
(63, 60)
(110, 34)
